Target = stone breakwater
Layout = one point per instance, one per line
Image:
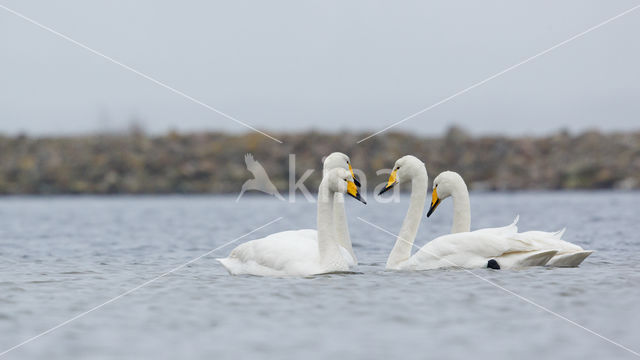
(214, 162)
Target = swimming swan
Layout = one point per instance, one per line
(476, 249)
(451, 184)
(338, 160)
(290, 254)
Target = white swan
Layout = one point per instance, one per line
(338, 160)
(299, 253)
(467, 250)
(451, 184)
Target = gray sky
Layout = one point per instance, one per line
(330, 65)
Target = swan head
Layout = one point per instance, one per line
(338, 160)
(443, 186)
(341, 181)
(404, 170)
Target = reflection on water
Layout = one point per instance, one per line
(62, 256)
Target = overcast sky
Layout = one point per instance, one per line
(329, 65)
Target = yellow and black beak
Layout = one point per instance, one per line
(435, 201)
(355, 179)
(352, 190)
(391, 183)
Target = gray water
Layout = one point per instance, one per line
(61, 256)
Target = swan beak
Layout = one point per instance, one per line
(434, 202)
(391, 183)
(352, 190)
(355, 179)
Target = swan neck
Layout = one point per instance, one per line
(327, 246)
(402, 249)
(461, 208)
(340, 226)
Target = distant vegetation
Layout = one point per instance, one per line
(214, 162)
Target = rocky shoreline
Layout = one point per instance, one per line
(136, 163)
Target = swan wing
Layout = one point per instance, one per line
(568, 254)
(549, 240)
(468, 250)
(515, 260)
(287, 253)
(569, 260)
(280, 254)
(542, 243)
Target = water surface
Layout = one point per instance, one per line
(60, 256)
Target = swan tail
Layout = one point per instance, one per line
(226, 262)
(559, 234)
(569, 260)
(513, 227)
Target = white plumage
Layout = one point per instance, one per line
(308, 251)
(451, 184)
(463, 249)
(287, 253)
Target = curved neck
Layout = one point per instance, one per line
(402, 249)
(327, 246)
(461, 208)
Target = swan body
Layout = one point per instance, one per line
(286, 253)
(301, 252)
(477, 249)
(451, 184)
